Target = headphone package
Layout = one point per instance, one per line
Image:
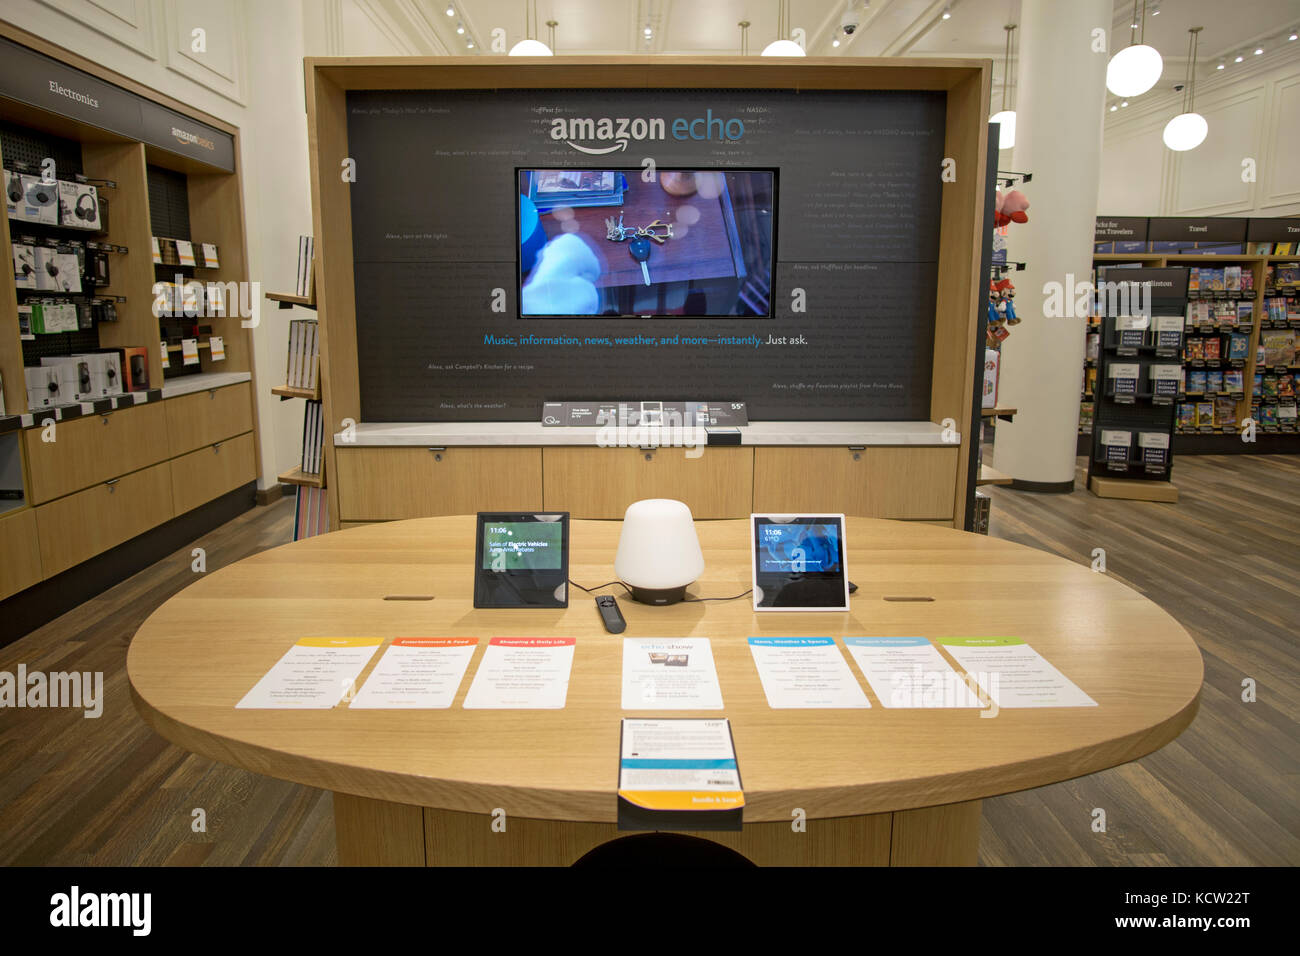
(97, 274)
(24, 265)
(49, 317)
(13, 193)
(57, 269)
(43, 387)
(78, 206)
(39, 202)
(75, 376)
(105, 372)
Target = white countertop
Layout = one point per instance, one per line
(442, 434)
(202, 382)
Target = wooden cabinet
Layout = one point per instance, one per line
(874, 482)
(383, 484)
(82, 525)
(20, 555)
(95, 448)
(205, 474)
(201, 418)
(602, 482)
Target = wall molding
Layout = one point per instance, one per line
(134, 31)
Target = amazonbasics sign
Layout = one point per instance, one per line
(612, 135)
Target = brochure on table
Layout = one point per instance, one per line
(417, 673)
(670, 674)
(316, 673)
(678, 773)
(909, 672)
(805, 672)
(525, 673)
(1013, 674)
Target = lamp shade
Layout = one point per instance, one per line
(530, 48)
(1185, 131)
(783, 48)
(658, 551)
(1134, 70)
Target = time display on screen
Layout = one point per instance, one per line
(798, 548)
(522, 546)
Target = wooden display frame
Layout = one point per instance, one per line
(965, 81)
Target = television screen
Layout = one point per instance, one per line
(636, 243)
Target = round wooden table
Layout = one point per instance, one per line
(456, 786)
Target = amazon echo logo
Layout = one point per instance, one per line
(610, 135)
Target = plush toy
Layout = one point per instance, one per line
(1010, 208)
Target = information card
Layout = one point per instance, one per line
(670, 674)
(1013, 674)
(419, 673)
(909, 672)
(678, 771)
(527, 673)
(802, 672)
(317, 672)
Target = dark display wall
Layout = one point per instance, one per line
(434, 222)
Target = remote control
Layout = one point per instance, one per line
(610, 614)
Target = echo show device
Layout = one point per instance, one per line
(798, 563)
(521, 559)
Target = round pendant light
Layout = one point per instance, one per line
(1006, 117)
(1136, 68)
(1185, 131)
(530, 46)
(1007, 134)
(782, 46)
(1188, 129)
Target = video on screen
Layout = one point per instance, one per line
(522, 546)
(604, 242)
(798, 548)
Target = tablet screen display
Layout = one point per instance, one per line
(522, 560)
(799, 562)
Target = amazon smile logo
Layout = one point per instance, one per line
(610, 135)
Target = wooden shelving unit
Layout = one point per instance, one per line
(289, 391)
(296, 476)
(991, 476)
(287, 301)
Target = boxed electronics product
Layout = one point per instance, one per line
(105, 372)
(78, 206)
(57, 270)
(135, 368)
(991, 360)
(40, 201)
(49, 317)
(24, 265)
(43, 387)
(76, 382)
(13, 193)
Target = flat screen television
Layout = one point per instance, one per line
(634, 243)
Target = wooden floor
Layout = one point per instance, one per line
(1225, 561)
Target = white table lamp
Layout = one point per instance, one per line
(658, 551)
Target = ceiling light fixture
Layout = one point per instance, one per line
(835, 42)
(947, 13)
(1220, 66)
(530, 45)
(1113, 107)
(1136, 68)
(1006, 117)
(1258, 50)
(1123, 103)
(783, 45)
(1293, 36)
(460, 28)
(451, 11)
(1188, 129)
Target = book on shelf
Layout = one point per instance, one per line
(304, 285)
(1225, 412)
(311, 514)
(312, 438)
(1186, 415)
(1278, 346)
(303, 369)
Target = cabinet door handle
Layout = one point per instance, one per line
(103, 419)
(216, 445)
(212, 393)
(112, 483)
(437, 453)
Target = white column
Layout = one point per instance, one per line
(1060, 95)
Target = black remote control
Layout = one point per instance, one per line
(610, 614)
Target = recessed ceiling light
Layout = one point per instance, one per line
(1258, 50)
(1219, 67)
(1237, 59)
(451, 11)
(460, 28)
(1293, 36)
(648, 31)
(1123, 103)
(1113, 107)
(835, 42)
(947, 13)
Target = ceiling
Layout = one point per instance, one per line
(887, 28)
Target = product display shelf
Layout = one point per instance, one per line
(285, 300)
(991, 476)
(296, 476)
(1217, 437)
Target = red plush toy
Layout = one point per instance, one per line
(1010, 208)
